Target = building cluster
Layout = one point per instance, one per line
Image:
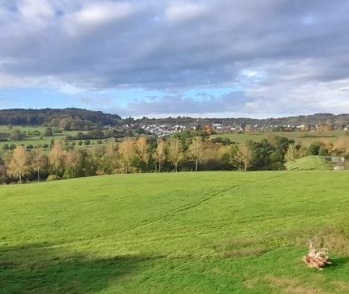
(168, 129)
(164, 129)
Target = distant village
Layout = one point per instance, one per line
(304, 123)
(83, 120)
(221, 128)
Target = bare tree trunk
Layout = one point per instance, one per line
(196, 165)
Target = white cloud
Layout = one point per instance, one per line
(10, 81)
(68, 88)
(184, 12)
(97, 15)
(36, 11)
(279, 55)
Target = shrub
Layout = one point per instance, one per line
(53, 178)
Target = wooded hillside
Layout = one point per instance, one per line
(69, 118)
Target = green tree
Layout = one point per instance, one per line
(48, 132)
(5, 147)
(16, 135)
(262, 154)
(105, 157)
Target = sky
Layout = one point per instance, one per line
(160, 58)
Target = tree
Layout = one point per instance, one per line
(142, 152)
(3, 171)
(39, 161)
(72, 161)
(175, 151)
(16, 135)
(56, 158)
(19, 166)
(160, 153)
(195, 151)
(262, 154)
(229, 155)
(291, 153)
(244, 155)
(105, 157)
(127, 153)
(341, 146)
(48, 132)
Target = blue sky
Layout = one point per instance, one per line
(163, 58)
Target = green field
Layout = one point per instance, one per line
(36, 140)
(214, 232)
(312, 162)
(304, 138)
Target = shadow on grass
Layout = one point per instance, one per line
(340, 261)
(44, 268)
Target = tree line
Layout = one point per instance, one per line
(82, 119)
(180, 152)
(68, 119)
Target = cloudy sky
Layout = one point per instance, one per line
(156, 58)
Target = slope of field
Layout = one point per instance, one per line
(219, 232)
(312, 162)
(304, 138)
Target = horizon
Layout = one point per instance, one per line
(176, 58)
(183, 116)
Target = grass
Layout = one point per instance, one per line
(36, 140)
(214, 232)
(312, 162)
(305, 138)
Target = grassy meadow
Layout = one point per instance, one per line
(304, 138)
(34, 140)
(210, 232)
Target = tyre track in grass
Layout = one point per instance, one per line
(199, 203)
(165, 217)
(187, 208)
